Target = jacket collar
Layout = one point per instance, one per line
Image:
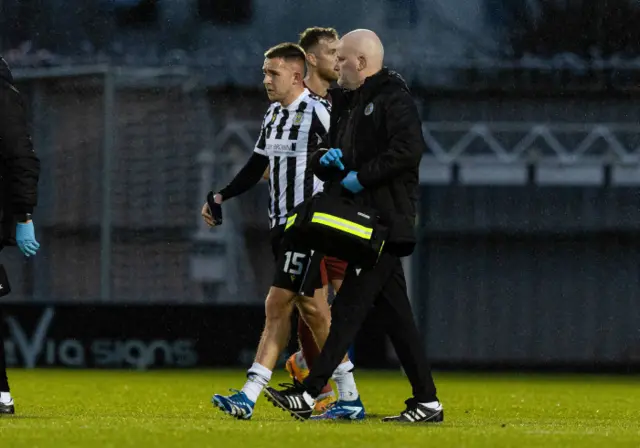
(373, 84)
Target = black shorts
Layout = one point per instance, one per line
(297, 270)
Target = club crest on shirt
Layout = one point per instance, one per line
(297, 120)
(368, 109)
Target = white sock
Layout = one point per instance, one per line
(309, 399)
(258, 377)
(5, 397)
(345, 381)
(435, 405)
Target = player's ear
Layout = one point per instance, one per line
(311, 59)
(298, 77)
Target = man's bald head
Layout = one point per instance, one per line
(360, 55)
(367, 44)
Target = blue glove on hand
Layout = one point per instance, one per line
(351, 182)
(332, 158)
(26, 238)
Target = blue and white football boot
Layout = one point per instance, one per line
(343, 410)
(236, 405)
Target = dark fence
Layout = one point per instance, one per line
(530, 276)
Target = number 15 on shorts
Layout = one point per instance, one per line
(294, 262)
(299, 272)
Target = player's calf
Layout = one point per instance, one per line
(317, 315)
(278, 308)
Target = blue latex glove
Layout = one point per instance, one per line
(332, 158)
(26, 238)
(351, 182)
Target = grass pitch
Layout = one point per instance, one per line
(172, 409)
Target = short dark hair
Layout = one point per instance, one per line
(287, 51)
(312, 36)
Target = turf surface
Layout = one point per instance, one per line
(172, 409)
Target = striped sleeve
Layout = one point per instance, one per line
(322, 111)
(262, 139)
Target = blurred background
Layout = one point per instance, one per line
(529, 215)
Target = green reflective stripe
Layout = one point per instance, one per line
(342, 225)
(290, 221)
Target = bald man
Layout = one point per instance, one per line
(377, 143)
(287, 140)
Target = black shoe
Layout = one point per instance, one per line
(291, 400)
(7, 408)
(417, 413)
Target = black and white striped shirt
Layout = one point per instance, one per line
(289, 137)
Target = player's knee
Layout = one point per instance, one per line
(278, 305)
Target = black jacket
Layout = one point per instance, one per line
(19, 165)
(379, 131)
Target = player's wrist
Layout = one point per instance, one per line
(215, 209)
(214, 197)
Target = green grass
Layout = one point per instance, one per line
(172, 409)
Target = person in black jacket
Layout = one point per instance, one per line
(377, 142)
(19, 172)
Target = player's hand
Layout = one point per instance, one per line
(332, 158)
(212, 210)
(26, 238)
(206, 214)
